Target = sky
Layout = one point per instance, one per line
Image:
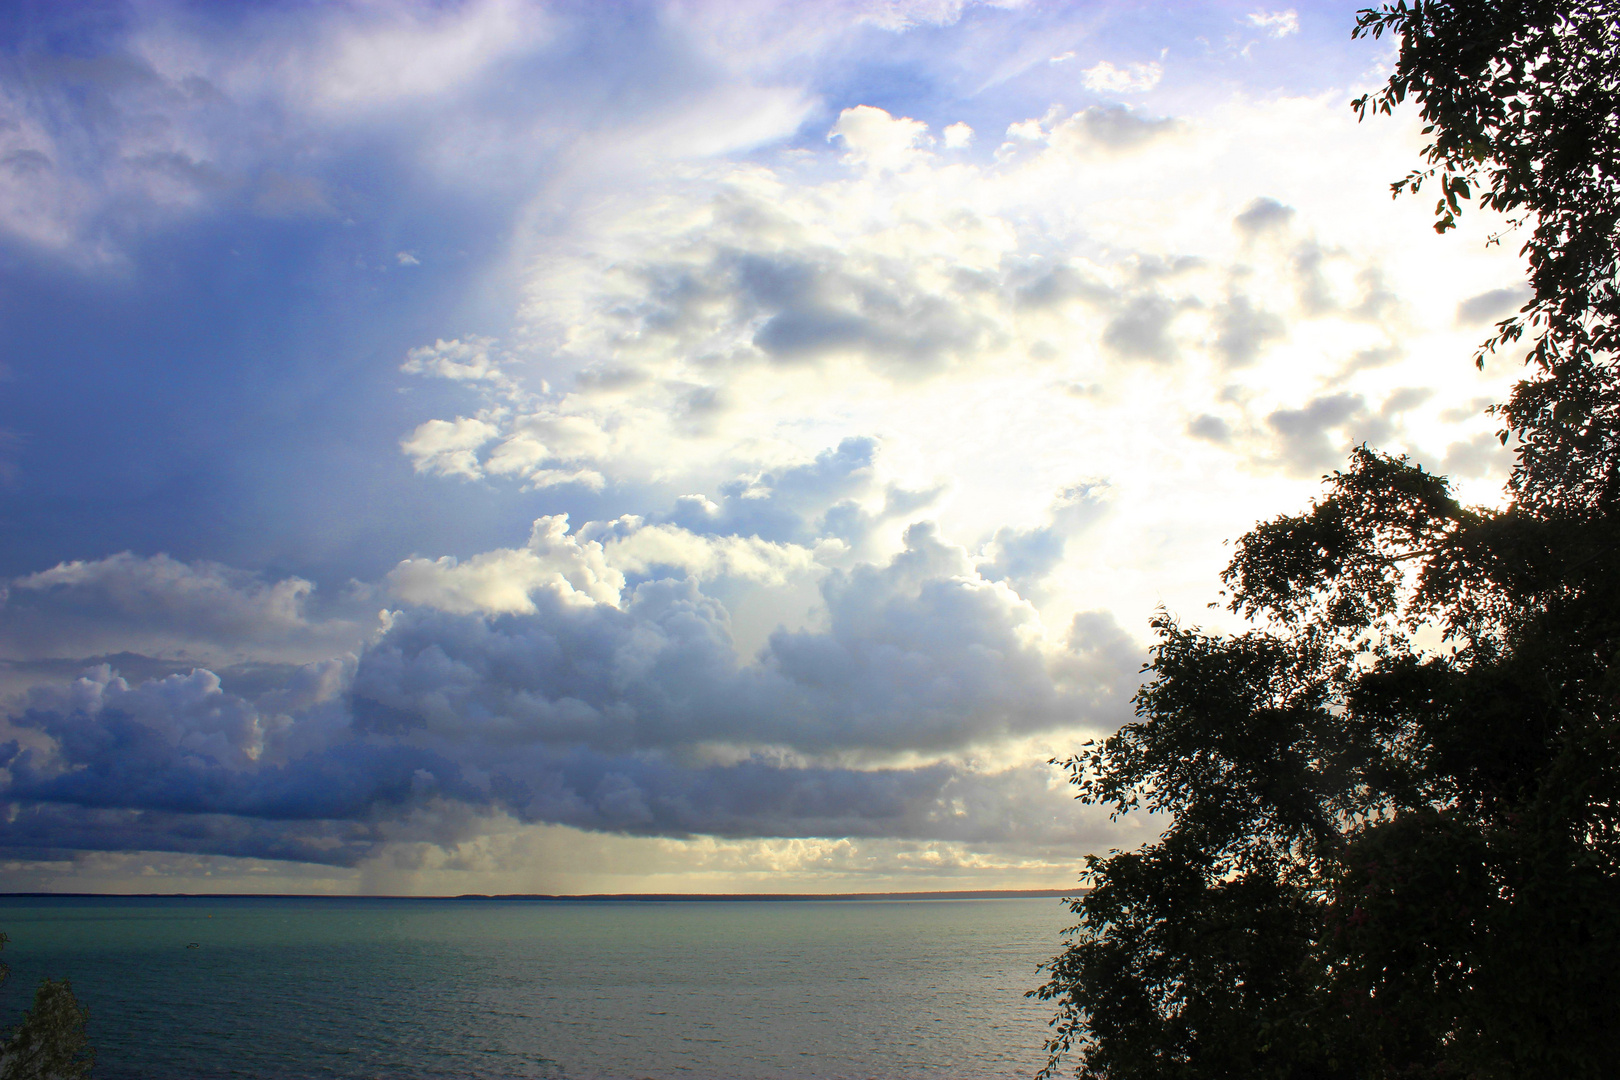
(701, 446)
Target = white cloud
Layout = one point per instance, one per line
(899, 15)
(589, 565)
(876, 139)
(504, 581)
(1277, 24)
(709, 557)
(730, 319)
(366, 57)
(449, 447)
(454, 359)
(829, 392)
(1028, 130)
(1105, 78)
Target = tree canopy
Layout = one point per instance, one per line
(50, 1042)
(1385, 857)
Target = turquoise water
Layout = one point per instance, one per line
(282, 988)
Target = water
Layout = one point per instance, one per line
(286, 988)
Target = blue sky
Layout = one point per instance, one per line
(505, 446)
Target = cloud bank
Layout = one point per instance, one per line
(493, 433)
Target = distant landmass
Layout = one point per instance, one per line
(954, 894)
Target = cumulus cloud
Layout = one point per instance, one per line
(1277, 24)
(588, 566)
(1142, 330)
(1112, 127)
(474, 359)
(587, 679)
(595, 715)
(1310, 439)
(503, 580)
(1243, 330)
(161, 607)
(876, 139)
(1104, 77)
(920, 654)
(681, 323)
(836, 495)
(1023, 557)
(1375, 356)
(706, 558)
(448, 447)
(747, 376)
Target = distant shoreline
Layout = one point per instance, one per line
(957, 894)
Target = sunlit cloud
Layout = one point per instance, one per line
(666, 439)
(1126, 79)
(1276, 24)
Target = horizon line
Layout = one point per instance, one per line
(945, 894)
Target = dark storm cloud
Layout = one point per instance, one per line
(917, 655)
(115, 761)
(162, 607)
(589, 715)
(640, 795)
(762, 799)
(57, 831)
(195, 393)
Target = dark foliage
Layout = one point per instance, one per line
(1393, 805)
(1522, 99)
(50, 1043)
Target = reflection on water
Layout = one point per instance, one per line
(621, 990)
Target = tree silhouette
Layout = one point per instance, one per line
(50, 1043)
(1385, 859)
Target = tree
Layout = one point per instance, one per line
(50, 1043)
(1383, 858)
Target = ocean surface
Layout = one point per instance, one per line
(617, 990)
